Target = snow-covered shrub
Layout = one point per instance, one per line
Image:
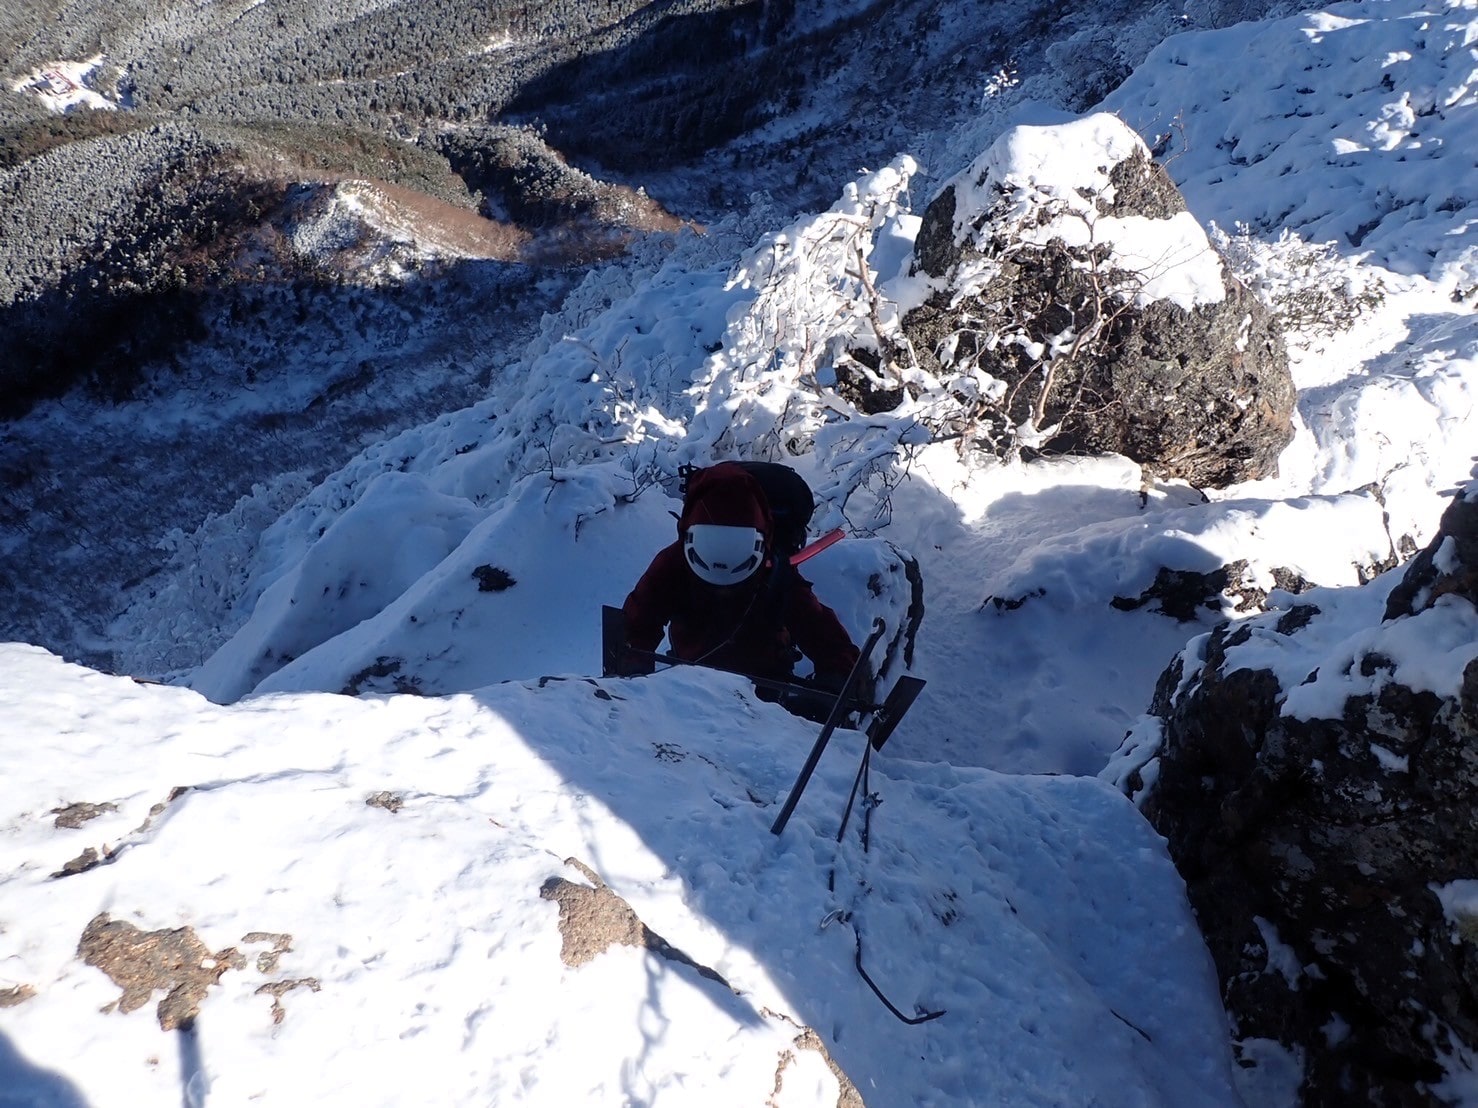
(815, 298)
(817, 318)
(1310, 286)
(1089, 64)
(176, 623)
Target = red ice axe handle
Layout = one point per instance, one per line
(839, 709)
(831, 538)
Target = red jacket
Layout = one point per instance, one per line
(749, 627)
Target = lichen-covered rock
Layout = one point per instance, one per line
(141, 963)
(1079, 307)
(1315, 773)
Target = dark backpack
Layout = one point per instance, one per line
(790, 498)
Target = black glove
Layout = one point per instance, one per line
(634, 664)
(862, 688)
(829, 682)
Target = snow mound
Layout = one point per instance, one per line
(409, 528)
(1046, 184)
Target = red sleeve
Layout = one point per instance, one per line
(652, 604)
(818, 632)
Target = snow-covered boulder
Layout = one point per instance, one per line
(1078, 306)
(1315, 773)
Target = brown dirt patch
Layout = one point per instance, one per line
(73, 816)
(80, 864)
(278, 989)
(848, 1095)
(91, 857)
(268, 959)
(16, 995)
(449, 227)
(139, 962)
(177, 962)
(592, 920)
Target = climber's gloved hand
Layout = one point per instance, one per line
(633, 663)
(829, 682)
(862, 688)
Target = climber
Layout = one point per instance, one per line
(727, 597)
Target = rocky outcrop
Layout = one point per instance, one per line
(141, 963)
(594, 918)
(1185, 594)
(1315, 773)
(521, 178)
(1078, 307)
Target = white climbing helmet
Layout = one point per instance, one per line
(723, 555)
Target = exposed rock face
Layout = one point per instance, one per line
(1082, 309)
(1184, 594)
(141, 962)
(1317, 781)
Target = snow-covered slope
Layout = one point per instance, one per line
(391, 874)
(709, 356)
(1354, 123)
(1036, 911)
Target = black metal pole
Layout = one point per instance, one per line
(837, 712)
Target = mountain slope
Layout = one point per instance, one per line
(139, 234)
(392, 877)
(1038, 912)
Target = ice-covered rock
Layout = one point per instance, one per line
(1315, 773)
(1079, 307)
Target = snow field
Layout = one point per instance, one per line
(436, 959)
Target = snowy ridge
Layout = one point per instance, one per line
(419, 918)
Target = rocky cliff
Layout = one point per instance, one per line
(1315, 772)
